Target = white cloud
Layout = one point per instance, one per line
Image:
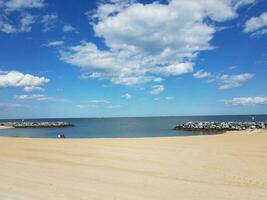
(86, 106)
(126, 96)
(99, 101)
(247, 100)
(241, 3)
(5, 26)
(148, 41)
(259, 32)
(201, 74)
(49, 22)
(37, 97)
(233, 67)
(54, 43)
(169, 98)
(15, 5)
(18, 79)
(157, 89)
(122, 79)
(256, 23)
(32, 88)
(114, 106)
(68, 28)
(16, 17)
(174, 69)
(94, 103)
(232, 81)
(23, 20)
(25, 23)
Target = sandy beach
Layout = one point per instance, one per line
(5, 127)
(227, 166)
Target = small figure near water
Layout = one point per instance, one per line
(61, 136)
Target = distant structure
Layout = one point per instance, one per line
(220, 126)
(24, 124)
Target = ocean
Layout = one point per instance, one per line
(125, 127)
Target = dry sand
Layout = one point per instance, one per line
(228, 166)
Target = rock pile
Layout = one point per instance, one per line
(220, 126)
(24, 124)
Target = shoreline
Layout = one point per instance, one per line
(5, 127)
(224, 166)
(242, 132)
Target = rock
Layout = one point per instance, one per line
(220, 126)
(24, 124)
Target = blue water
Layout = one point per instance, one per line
(122, 127)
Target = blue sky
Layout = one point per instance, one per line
(132, 58)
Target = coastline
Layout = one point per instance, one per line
(5, 127)
(224, 166)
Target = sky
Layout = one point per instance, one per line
(123, 58)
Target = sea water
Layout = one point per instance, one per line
(122, 127)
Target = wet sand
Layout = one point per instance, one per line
(227, 166)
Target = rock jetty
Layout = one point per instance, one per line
(220, 126)
(24, 124)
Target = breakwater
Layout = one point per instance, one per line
(24, 124)
(220, 126)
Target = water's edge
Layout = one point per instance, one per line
(122, 127)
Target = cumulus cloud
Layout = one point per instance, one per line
(18, 79)
(247, 100)
(157, 89)
(126, 96)
(201, 74)
(174, 69)
(257, 24)
(232, 81)
(148, 41)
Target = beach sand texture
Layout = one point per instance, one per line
(228, 166)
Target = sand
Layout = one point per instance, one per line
(5, 127)
(228, 166)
